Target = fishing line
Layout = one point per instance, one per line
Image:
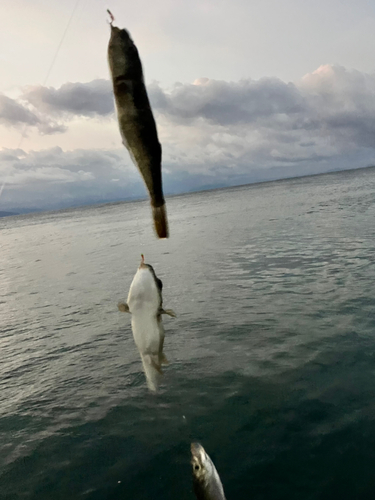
(61, 42)
(53, 60)
(23, 133)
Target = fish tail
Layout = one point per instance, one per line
(160, 221)
(152, 371)
(151, 361)
(163, 359)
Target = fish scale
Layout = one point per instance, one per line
(136, 121)
(144, 303)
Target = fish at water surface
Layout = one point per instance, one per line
(136, 121)
(145, 304)
(206, 480)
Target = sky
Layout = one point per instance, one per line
(242, 91)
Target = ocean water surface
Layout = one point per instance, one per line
(272, 355)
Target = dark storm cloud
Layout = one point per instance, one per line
(81, 99)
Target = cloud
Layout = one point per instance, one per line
(214, 133)
(15, 114)
(229, 103)
(54, 178)
(331, 103)
(343, 103)
(327, 114)
(90, 99)
(47, 127)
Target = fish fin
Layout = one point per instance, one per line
(160, 221)
(153, 363)
(163, 359)
(123, 307)
(170, 312)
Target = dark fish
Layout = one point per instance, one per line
(136, 121)
(206, 480)
(145, 304)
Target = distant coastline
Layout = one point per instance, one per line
(7, 214)
(203, 188)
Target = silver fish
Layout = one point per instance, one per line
(206, 480)
(136, 121)
(145, 304)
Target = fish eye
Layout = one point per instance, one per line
(196, 467)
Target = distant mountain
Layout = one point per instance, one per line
(6, 214)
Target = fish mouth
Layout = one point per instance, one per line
(196, 449)
(197, 452)
(197, 458)
(142, 264)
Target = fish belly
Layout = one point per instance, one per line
(146, 333)
(144, 297)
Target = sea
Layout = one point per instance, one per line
(271, 355)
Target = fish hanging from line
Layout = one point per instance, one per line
(145, 304)
(206, 480)
(136, 121)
